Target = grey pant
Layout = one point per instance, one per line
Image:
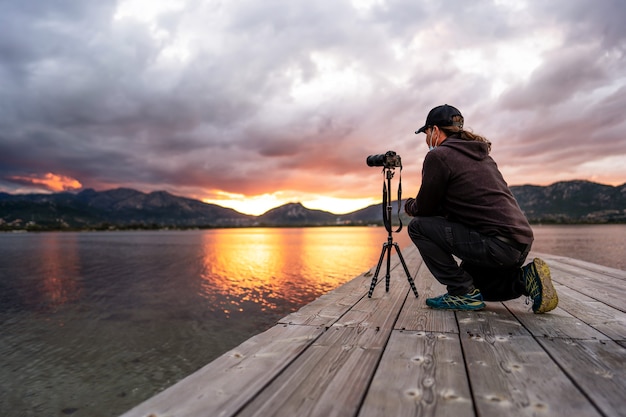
(488, 264)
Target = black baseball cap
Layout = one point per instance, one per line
(441, 116)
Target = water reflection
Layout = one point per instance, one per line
(59, 258)
(54, 262)
(236, 266)
(265, 269)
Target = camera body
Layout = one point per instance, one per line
(390, 159)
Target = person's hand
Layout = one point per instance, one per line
(408, 206)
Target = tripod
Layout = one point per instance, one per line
(388, 171)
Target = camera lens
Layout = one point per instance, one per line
(375, 160)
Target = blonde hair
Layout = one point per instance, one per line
(464, 134)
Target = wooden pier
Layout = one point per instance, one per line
(349, 355)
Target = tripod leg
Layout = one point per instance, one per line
(375, 278)
(406, 270)
(388, 276)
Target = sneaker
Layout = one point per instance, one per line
(539, 286)
(470, 301)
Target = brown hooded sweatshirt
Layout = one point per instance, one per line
(461, 182)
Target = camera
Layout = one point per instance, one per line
(390, 159)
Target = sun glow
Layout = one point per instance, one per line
(259, 204)
(338, 205)
(254, 205)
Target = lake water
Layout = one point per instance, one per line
(93, 323)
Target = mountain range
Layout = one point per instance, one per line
(561, 202)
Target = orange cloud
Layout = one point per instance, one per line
(52, 182)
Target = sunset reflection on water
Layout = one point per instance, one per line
(57, 257)
(271, 267)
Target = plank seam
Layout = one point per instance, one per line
(380, 357)
(466, 366)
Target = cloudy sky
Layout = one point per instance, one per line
(252, 104)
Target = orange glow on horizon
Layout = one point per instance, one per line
(255, 205)
(260, 204)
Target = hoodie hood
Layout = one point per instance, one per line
(471, 148)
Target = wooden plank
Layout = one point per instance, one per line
(589, 276)
(328, 380)
(607, 320)
(556, 323)
(416, 315)
(610, 291)
(597, 366)
(223, 386)
(494, 321)
(514, 376)
(583, 265)
(420, 374)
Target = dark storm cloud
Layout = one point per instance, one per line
(253, 97)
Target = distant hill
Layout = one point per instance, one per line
(295, 214)
(374, 214)
(572, 202)
(120, 207)
(562, 202)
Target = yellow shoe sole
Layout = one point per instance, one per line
(549, 297)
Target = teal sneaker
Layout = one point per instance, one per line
(539, 288)
(470, 301)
